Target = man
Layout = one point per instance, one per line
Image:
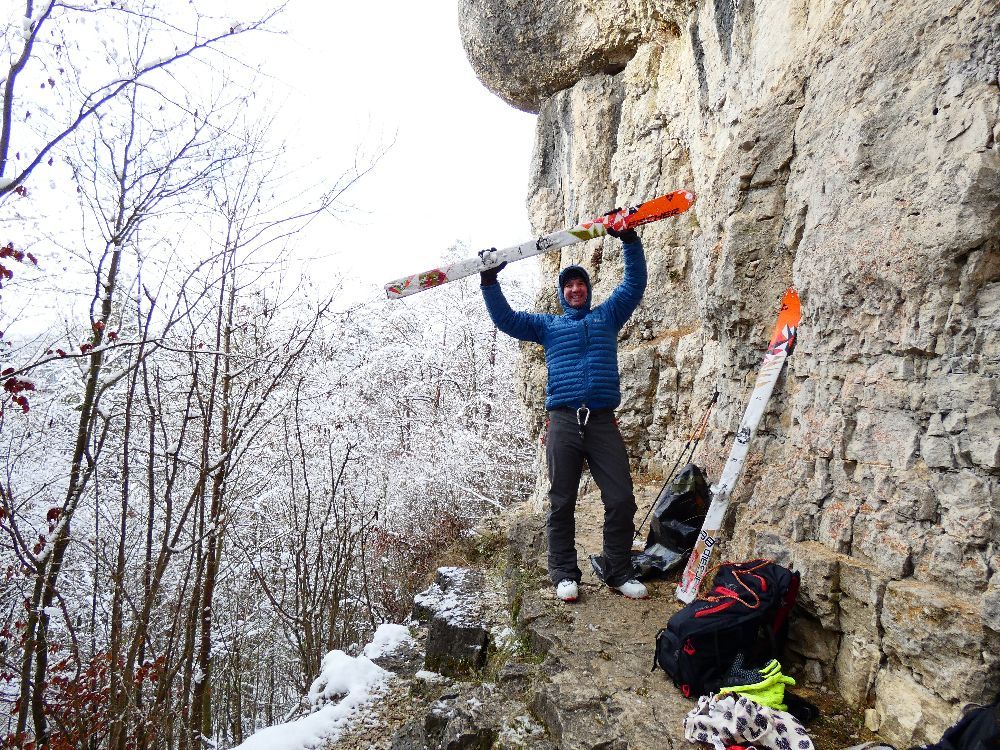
(581, 355)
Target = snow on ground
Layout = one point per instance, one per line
(428, 676)
(342, 676)
(386, 640)
(345, 685)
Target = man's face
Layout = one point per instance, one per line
(575, 292)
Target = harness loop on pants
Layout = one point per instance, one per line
(581, 421)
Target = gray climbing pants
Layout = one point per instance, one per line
(600, 443)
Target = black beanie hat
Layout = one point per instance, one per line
(573, 272)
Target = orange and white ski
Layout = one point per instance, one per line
(782, 343)
(620, 219)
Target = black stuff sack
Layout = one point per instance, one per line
(677, 516)
(742, 622)
(979, 729)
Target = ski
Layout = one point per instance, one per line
(782, 343)
(620, 219)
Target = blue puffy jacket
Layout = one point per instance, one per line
(581, 345)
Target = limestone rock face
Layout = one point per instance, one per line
(848, 149)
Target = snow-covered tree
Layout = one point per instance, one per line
(210, 478)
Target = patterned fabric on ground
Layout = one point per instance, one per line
(727, 720)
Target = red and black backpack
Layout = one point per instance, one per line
(744, 620)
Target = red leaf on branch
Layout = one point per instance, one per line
(7, 371)
(84, 348)
(99, 325)
(32, 258)
(17, 385)
(113, 336)
(22, 191)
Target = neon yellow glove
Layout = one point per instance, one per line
(768, 692)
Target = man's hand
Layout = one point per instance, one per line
(625, 235)
(489, 276)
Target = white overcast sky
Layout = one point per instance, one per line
(347, 76)
(381, 71)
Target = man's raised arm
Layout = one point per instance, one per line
(520, 325)
(627, 295)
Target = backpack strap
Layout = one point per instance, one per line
(785, 607)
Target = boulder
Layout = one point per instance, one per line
(524, 52)
(457, 625)
(932, 630)
(908, 713)
(577, 716)
(462, 723)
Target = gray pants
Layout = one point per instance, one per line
(604, 450)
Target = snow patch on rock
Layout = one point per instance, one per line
(341, 675)
(450, 601)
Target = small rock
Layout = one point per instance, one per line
(516, 675)
(410, 736)
(871, 720)
(462, 723)
(814, 671)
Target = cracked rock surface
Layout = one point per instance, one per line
(850, 150)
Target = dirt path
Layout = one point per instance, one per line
(599, 691)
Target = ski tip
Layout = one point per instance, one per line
(663, 207)
(791, 307)
(417, 283)
(786, 328)
(394, 290)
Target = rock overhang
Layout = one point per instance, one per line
(524, 52)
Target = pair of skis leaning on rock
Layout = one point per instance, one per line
(581, 355)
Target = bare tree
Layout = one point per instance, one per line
(141, 185)
(149, 26)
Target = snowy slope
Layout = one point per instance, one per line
(345, 685)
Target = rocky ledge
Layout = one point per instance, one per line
(500, 663)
